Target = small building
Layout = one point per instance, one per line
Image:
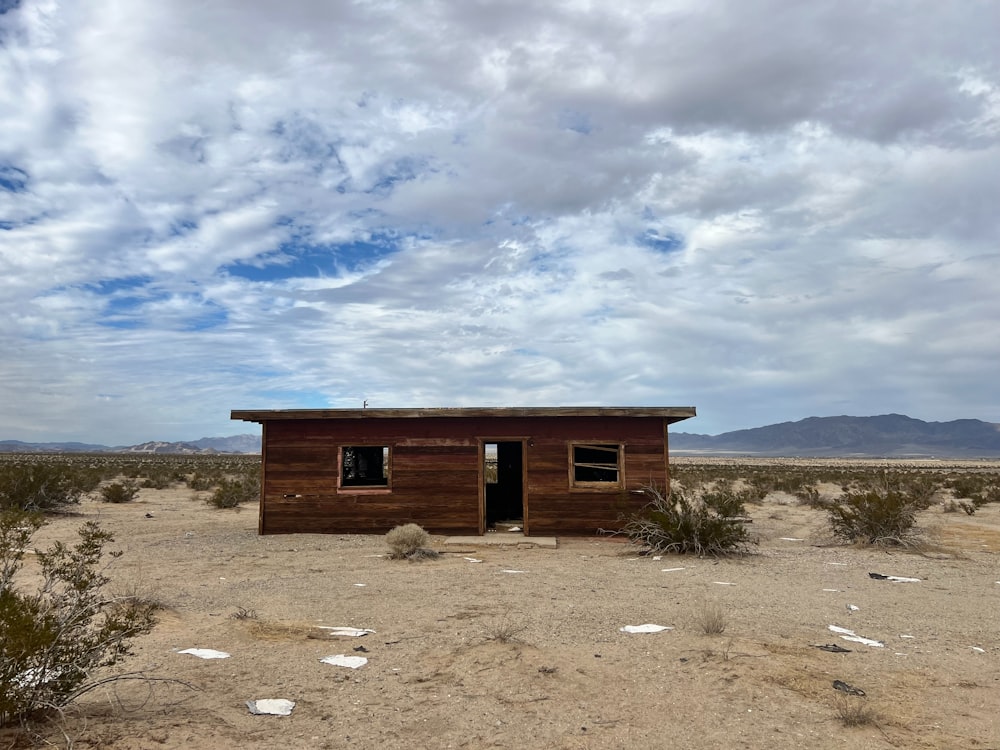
(556, 470)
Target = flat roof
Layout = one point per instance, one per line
(670, 413)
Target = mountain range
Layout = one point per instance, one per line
(885, 436)
(233, 444)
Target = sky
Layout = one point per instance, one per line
(766, 209)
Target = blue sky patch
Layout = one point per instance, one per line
(296, 261)
(12, 179)
(578, 122)
(665, 243)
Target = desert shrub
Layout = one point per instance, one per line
(119, 492)
(42, 486)
(231, 492)
(56, 637)
(808, 494)
(408, 541)
(878, 515)
(199, 481)
(728, 502)
(674, 523)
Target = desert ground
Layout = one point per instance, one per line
(513, 646)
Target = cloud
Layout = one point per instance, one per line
(766, 209)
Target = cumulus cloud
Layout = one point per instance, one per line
(765, 209)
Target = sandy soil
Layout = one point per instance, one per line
(443, 673)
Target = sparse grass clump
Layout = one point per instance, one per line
(711, 619)
(56, 637)
(409, 542)
(854, 711)
(676, 524)
(505, 630)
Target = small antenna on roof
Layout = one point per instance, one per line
(365, 404)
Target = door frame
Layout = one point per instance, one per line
(483, 441)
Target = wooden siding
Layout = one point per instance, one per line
(436, 475)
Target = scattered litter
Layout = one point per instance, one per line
(647, 628)
(360, 649)
(340, 660)
(853, 608)
(657, 558)
(895, 579)
(907, 636)
(833, 563)
(845, 688)
(374, 555)
(149, 515)
(833, 591)
(978, 650)
(471, 559)
(514, 528)
(724, 583)
(271, 707)
(345, 631)
(511, 571)
(833, 648)
(205, 653)
(360, 585)
(850, 635)
(671, 570)
(790, 539)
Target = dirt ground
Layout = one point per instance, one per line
(522, 647)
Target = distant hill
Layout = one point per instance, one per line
(232, 444)
(888, 436)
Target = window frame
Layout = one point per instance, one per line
(365, 488)
(591, 485)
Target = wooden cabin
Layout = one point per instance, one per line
(557, 470)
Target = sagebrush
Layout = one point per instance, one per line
(57, 636)
(409, 541)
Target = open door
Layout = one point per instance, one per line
(503, 484)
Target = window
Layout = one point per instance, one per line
(364, 466)
(596, 465)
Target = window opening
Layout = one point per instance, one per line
(596, 464)
(365, 466)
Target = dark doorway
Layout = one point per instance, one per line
(503, 477)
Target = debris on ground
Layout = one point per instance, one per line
(647, 628)
(271, 707)
(205, 653)
(845, 688)
(850, 635)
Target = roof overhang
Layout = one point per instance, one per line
(670, 413)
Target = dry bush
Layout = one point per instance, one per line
(854, 712)
(410, 542)
(675, 524)
(712, 619)
(505, 630)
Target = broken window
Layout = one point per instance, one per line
(596, 464)
(364, 466)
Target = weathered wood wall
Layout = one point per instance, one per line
(435, 474)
